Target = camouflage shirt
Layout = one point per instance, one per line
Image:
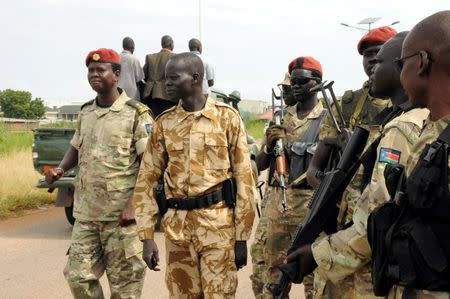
(194, 152)
(347, 252)
(109, 141)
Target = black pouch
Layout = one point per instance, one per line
(229, 192)
(380, 221)
(301, 154)
(161, 200)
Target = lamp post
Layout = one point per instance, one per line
(367, 21)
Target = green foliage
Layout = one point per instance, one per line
(19, 104)
(61, 124)
(12, 141)
(255, 126)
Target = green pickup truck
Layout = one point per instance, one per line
(50, 145)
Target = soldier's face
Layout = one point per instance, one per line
(287, 95)
(369, 61)
(301, 85)
(179, 82)
(385, 76)
(101, 77)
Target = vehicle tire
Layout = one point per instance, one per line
(69, 214)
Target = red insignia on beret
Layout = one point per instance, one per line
(307, 63)
(376, 36)
(103, 55)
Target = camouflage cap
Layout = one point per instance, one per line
(286, 80)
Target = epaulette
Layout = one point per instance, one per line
(87, 104)
(166, 111)
(141, 108)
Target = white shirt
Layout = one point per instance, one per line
(131, 72)
(208, 74)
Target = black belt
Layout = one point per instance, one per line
(197, 202)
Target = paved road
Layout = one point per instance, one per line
(33, 249)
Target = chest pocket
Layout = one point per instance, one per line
(216, 151)
(118, 149)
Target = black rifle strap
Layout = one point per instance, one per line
(445, 135)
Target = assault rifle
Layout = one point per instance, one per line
(278, 152)
(323, 206)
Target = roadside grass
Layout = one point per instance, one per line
(255, 127)
(13, 141)
(18, 185)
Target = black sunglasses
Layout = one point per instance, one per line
(401, 61)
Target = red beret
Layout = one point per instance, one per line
(307, 63)
(103, 55)
(376, 36)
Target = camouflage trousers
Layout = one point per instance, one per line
(202, 265)
(259, 266)
(281, 227)
(99, 246)
(398, 292)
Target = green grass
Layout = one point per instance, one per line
(255, 127)
(18, 185)
(13, 141)
(61, 124)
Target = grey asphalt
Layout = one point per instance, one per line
(33, 255)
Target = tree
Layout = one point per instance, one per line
(19, 104)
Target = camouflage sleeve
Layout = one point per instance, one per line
(343, 253)
(244, 213)
(75, 142)
(144, 198)
(143, 128)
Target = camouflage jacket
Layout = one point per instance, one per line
(194, 152)
(347, 252)
(109, 142)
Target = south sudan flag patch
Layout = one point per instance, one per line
(389, 155)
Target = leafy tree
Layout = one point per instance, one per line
(19, 104)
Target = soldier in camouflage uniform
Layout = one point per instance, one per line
(426, 83)
(259, 267)
(194, 148)
(306, 72)
(343, 258)
(110, 136)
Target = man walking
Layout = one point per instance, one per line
(198, 149)
(195, 46)
(110, 136)
(131, 73)
(155, 96)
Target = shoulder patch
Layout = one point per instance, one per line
(389, 155)
(166, 111)
(141, 108)
(88, 103)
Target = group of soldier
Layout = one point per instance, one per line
(191, 167)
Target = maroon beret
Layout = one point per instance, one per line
(103, 55)
(376, 36)
(307, 63)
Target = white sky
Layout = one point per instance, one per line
(249, 42)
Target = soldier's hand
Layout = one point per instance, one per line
(53, 175)
(304, 259)
(273, 133)
(126, 217)
(150, 254)
(240, 254)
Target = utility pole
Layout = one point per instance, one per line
(368, 22)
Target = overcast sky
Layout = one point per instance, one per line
(250, 43)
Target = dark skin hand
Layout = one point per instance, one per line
(240, 254)
(318, 163)
(69, 161)
(126, 217)
(305, 259)
(150, 254)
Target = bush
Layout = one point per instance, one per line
(255, 126)
(19, 104)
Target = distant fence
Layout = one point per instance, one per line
(17, 124)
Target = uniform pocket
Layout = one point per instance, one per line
(216, 151)
(130, 241)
